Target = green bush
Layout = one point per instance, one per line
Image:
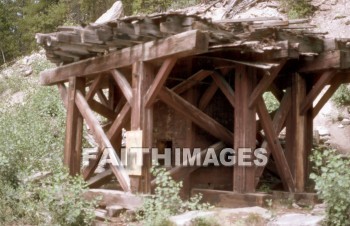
(342, 96)
(271, 102)
(297, 8)
(31, 141)
(166, 201)
(332, 182)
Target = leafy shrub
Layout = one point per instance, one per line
(204, 221)
(31, 141)
(297, 8)
(166, 201)
(332, 182)
(271, 102)
(342, 96)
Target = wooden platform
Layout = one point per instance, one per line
(184, 81)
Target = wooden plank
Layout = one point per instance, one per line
(159, 81)
(142, 119)
(278, 122)
(228, 199)
(329, 60)
(265, 83)
(275, 146)
(93, 88)
(224, 87)
(180, 172)
(102, 140)
(102, 97)
(123, 84)
(316, 89)
(100, 179)
(119, 121)
(191, 81)
(180, 45)
(244, 128)
(207, 96)
(195, 115)
(114, 130)
(335, 83)
(102, 109)
(63, 94)
(74, 127)
(297, 133)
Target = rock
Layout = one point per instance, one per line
(114, 210)
(115, 12)
(27, 72)
(347, 22)
(325, 7)
(297, 219)
(345, 122)
(324, 139)
(323, 131)
(101, 214)
(341, 126)
(296, 206)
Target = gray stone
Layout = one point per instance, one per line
(345, 122)
(323, 131)
(297, 219)
(115, 210)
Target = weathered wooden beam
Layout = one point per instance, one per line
(159, 81)
(93, 88)
(244, 127)
(224, 87)
(335, 83)
(74, 128)
(63, 93)
(316, 89)
(142, 119)
(265, 82)
(207, 96)
(114, 129)
(275, 146)
(297, 133)
(119, 121)
(100, 179)
(191, 81)
(103, 141)
(195, 115)
(123, 84)
(277, 92)
(180, 45)
(180, 172)
(102, 97)
(102, 109)
(278, 122)
(337, 59)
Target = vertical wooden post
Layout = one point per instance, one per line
(142, 119)
(74, 128)
(296, 134)
(244, 128)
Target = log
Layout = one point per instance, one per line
(103, 140)
(224, 87)
(180, 45)
(275, 146)
(123, 85)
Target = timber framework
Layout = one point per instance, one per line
(175, 80)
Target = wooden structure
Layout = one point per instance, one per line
(184, 81)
